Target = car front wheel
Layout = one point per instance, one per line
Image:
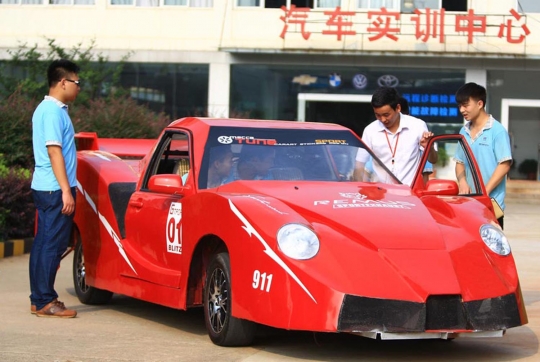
(223, 328)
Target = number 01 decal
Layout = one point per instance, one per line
(262, 281)
(174, 228)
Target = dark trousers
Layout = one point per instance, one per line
(50, 242)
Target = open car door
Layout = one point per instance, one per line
(440, 179)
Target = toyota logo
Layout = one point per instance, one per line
(388, 80)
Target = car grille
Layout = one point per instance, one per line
(441, 312)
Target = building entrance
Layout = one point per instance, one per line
(353, 111)
(521, 118)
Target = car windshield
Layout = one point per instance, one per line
(234, 153)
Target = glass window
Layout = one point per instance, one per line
(454, 163)
(248, 2)
(273, 4)
(9, 1)
(201, 3)
(147, 2)
(377, 4)
(172, 157)
(179, 90)
(284, 155)
(408, 6)
(271, 92)
(175, 2)
(31, 2)
(328, 3)
(154, 3)
(528, 6)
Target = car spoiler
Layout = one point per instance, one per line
(121, 147)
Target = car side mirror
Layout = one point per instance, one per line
(440, 187)
(167, 184)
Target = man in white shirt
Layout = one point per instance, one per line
(398, 140)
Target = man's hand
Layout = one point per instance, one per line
(426, 136)
(69, 202)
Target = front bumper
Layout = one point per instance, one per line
(441, 316)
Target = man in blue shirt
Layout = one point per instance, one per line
(489, 142)
(53, 186)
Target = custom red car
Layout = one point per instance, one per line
(267, 222)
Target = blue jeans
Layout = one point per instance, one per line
(50, 242)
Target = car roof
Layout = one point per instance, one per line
(257, 123)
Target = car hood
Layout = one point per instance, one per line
(378, 232)
(378, 215)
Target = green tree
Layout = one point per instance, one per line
(27, 71)
(102, 106)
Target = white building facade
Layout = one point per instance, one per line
(306, 60)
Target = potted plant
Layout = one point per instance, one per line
(529, 168)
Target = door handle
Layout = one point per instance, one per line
(138, 204)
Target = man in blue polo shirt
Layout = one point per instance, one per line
(489, 142)
(53, 186)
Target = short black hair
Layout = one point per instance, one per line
(404, 103)
(60, 68)
(385, 96)
(471, 91)
(219, 153)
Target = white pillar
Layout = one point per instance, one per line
(478, 76)
(218, 90)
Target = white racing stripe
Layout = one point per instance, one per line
(107, 226)
(251, 230)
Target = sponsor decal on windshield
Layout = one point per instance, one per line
(248, 140)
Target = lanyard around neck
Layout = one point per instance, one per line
(393, 152)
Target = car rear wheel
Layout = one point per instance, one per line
(86, 293)
(223, 328)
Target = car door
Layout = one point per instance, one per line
(154, 219)
(440, 178)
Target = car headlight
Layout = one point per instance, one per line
(298, 241)
(495, 239)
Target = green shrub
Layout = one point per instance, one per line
(118, 117)
(17, 210)
(16, 130)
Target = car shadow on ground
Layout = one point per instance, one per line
(339, 346)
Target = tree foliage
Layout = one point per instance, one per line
(27, 71)
(102, 106)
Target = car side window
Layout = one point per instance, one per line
(172, 156)
(454, 160)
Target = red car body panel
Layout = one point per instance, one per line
(391, 244)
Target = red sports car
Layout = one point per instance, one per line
(262, 222)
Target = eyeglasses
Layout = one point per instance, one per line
(77, 82)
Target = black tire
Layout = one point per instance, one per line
(223, 329)
(86, 293)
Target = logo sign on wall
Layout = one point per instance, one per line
(388, 80)
(360, 81)
(334, 80)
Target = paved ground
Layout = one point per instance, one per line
(130, 330)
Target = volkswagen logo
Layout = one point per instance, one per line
(388, 80)
(359, 81)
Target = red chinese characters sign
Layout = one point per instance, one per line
(383, 23)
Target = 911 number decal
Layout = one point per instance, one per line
(173, 229)
(262, 281)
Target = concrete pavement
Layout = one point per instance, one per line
(131, 330)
